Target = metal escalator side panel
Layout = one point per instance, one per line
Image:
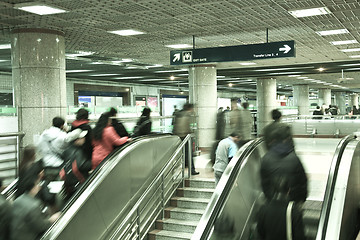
(344, 208)
(330, 185)
(114, 189)
(239, 188)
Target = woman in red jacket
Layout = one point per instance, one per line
(105, 139)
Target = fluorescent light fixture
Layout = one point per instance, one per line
(351, 50)
(353, 69)
(129, 77)
(38, 8)
(170, 71)
(294, 75)
(220, 76)
(247, 63)
(310, 12)
(183, 74)
(1, 60)
(126, 32)
(150, 80)
(355, 56)
(78, 71)
(154, 66)
(105, 75)
(5, 46)
(283, 73)
(344, 42)
(277, 69)
(332, 32)
(302, 77)
(133, 67)
(349, 65)
(78, 54)
(179, 46)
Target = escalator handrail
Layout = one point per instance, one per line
(330, 186)
(157, 179)
(217, 200)
(96, 173)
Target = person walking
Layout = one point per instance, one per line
(143, 126)
(225, 151)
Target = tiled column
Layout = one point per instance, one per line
(38, 71)
(265, 101)
(301, 98)
(354, 100)
(340, 102)
(203, 94)
(324, 96)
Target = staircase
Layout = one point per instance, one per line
(185, 210)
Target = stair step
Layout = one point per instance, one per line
(184, 213)
(193, 203)
(195, 192)
(200, 183)
(176, 225)
(168, 235)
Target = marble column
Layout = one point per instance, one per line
(324, 96)
(265, 101)
(340, 102)
(354, 100)
(203, 94)
(38, 72)
(301, 99)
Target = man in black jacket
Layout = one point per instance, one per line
(281, 160)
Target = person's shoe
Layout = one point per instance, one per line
(194, 172)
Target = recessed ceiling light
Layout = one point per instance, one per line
(104, 75)
(78, 71)
(38, 8)
(310, 12)
(128, 77)
(5, 46)
(126, 32)
(172, 77)
(320, 69)
(169, 71)
(355, 56)
(179, 46)
(247, 63)
(332, 32)
(344, 42)
(351, 50)
(230, 84)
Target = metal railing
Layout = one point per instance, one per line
(153, 202)
(10, 155)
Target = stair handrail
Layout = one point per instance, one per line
(217, 200)
(160, 177)
(330, 186)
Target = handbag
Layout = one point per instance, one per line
(288, 221)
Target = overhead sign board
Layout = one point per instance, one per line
(233, 53)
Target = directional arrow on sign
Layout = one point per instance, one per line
(176, 57)
(285, 49)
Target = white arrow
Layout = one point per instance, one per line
(176, 57)
(286, 49)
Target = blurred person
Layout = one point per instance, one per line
(174, 115)
(27, 163)
(245, 122)
(234, 118)
(281, 160)
(117, 125)
(5, 216)
(27, 220)
(82, 122)
(317, 112)
(225, 151)
(275, 216)
(143, 126)
(105, 138)
(220, 124)
(52, 144)
(276, 116)
(182, 128)
(77, 165)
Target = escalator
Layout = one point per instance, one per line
(112, 189)
(231, 213)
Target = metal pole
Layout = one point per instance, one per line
(267, 35)
(193, 41)
(189, 157)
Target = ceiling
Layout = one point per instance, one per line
(214, 23)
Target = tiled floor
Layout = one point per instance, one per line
(315, 155)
